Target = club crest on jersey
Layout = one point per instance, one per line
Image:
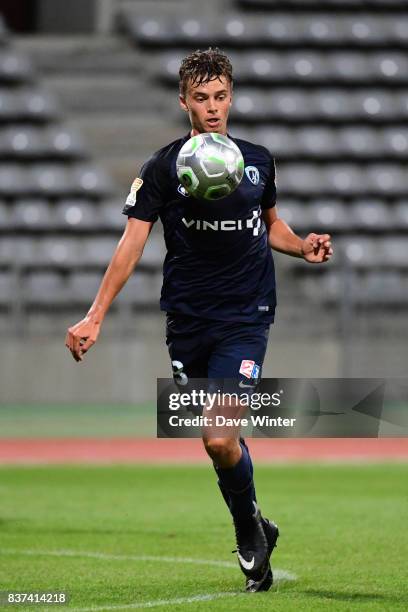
(253, 174)
(136, 185)
(182, 191)
(249, 369)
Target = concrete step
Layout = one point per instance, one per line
(79, 54)
(86, 93)
(127, 135)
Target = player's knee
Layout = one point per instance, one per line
(220, 449)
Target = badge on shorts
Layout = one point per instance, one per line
(136, 185)
(249, 369)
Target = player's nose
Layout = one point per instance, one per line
(211, 106)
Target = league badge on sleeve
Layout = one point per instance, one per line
(136, 185)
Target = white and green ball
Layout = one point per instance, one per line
(210, 166)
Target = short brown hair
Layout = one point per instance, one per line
(203, 66)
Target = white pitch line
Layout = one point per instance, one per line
(109, 557)
(279, 575)
(161, 602)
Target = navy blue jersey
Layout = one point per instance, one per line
(218, 265)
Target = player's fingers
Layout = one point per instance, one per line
(76, 345)
(70, 339)
(87, 345)
(324, 238)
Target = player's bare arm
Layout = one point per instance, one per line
(83, 335)
(315, 248)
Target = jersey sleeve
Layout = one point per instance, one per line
(147, 194)
(269, 193)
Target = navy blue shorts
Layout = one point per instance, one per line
(201, 348)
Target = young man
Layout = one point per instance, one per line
(219, 284)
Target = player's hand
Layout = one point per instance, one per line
(82, 336)
(317, 248)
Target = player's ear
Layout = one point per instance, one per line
(183, 103)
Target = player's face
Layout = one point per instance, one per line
(208, 106)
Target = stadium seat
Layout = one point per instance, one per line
(60, 180)
(64, 142)
(27, 104)
(394, 251)
(8, 250)
(141, 289)
(280, 140)
(7, 288)
(311, 286)
(109, 215)
(14, 180)
(76, 214)
(91, 180)
(394, 141)
(316, 141)
(348, 67)
(383, 288)
(56, 251)
(28, 142)
(5, 216)
(295, 213)
(389, 67)
(280, 29)
(21, 142)
(35, 104)
(370, 215)
(45, 288)
(272, 5)
(14, 68)
(84, 285)
(51, 179)
(329, 215)
(387, 178)
(328, 105)
(359, 142)
(98, 251)
(30, 213)
(359, 252)
(400, 214)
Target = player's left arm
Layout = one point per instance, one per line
(315, 248)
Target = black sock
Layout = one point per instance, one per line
(237, 486)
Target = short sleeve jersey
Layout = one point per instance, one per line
(219, 264)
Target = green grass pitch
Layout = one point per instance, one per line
(107, 535)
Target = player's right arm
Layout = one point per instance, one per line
(81, 336)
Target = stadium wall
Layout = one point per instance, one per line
(125, 371)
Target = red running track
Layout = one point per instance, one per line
(136, 450)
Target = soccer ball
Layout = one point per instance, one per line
(210, 166)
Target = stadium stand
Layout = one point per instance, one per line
(323, 85)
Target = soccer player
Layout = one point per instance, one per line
(219, 283)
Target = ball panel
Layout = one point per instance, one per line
(210, 166)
